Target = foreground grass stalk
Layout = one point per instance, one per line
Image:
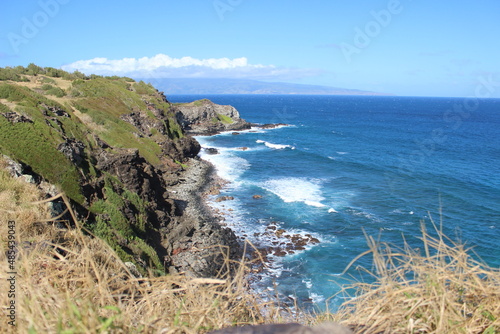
(445, 290)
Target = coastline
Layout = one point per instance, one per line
(202, 244)
(195, 183)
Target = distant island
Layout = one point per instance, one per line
(242, 86)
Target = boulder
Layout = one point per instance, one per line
(224, 198)
(211, 150)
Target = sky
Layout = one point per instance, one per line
(401, 47)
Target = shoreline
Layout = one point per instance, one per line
(203, 245)
(195, 183)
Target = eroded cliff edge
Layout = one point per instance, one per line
(117, 149)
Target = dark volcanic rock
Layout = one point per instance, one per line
(14, 117)
(212, 151)
(272, 126)
(135, 173)
(73, 150)
(224, 198)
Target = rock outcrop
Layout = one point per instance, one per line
(204, 117)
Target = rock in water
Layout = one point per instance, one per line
(204, 117)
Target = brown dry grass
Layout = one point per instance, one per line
(69, 282)
(443, 290)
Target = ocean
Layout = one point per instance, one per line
(350, 165)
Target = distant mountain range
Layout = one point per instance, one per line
(242, 86)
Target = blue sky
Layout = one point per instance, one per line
(403, 47)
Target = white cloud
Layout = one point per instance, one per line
(164, 66)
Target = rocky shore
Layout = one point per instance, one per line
(199, 237)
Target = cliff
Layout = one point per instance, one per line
(204, 117)
(115, 147)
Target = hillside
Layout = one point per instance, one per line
(244, 86)
(115, 148)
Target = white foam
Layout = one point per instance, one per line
(315, 204)
(316, 298)
(229, 166)
(274, 146)
(332, 210)
(294, 189)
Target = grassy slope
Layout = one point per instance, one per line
(94, 106)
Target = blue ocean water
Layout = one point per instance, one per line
(348, 164)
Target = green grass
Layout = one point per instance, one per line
(143, 88)
(26, 97)
(117, 132)
(35, 145)
(126, 237)
(200, 102)
(53, 90)
(225, 119)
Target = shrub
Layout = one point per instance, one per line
(53, 90)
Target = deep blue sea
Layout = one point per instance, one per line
(348, 164)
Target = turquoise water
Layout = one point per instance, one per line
(352, 163)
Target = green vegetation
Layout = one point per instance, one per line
(48, 80)
(12, 74)
(88, 109)
(52, 90)
(19, 73)
(143, 88)
(116, 131)
(200, 102)
(35, 145)
(125, 234)
(225, 119)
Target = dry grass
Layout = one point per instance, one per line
(69, 282)
(444, 290)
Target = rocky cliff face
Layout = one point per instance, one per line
(204, 117)
(117, 150)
